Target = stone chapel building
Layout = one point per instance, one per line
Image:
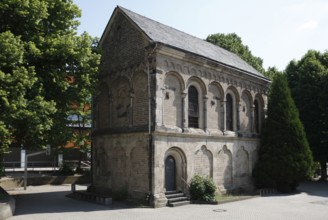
(172, 106)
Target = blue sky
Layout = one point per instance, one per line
(277, 31)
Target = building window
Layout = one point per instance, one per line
(229, 115)
(256, 117)
(193, 107)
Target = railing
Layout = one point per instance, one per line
(14, 166)
(184, 182)
(74, 163)
(86, 164)
(18, 166)
(31, 166)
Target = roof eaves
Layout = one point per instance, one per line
(215, 61)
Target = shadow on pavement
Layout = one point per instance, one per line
(315, 188)
(57, 202)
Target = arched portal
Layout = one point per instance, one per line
(175, 174)
(170, 173)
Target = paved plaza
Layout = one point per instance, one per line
(49, 202)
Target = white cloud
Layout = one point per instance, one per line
(308, 26)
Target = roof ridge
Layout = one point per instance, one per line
(175, 29)
(171, 36)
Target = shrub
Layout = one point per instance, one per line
(202, 189)
(66, 169)
(285, 157)
(210, 189)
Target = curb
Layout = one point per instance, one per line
(7, 205)
(12, 183)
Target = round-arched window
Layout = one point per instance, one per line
(193, 107)
(229, 115)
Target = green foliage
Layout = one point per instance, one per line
(44, 68)
(25, 114)
(66, 170)
(284, 157)
(271, 72)
(202, 189)
(233, 43)
(80, 116)
(308, 80)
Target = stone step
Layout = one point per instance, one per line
(177, 199)
(172, 192)
(174, 195)
(180, 203)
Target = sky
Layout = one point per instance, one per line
(277, 31)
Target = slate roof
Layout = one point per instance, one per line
(169, 36)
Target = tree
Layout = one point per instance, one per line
(80, 115)
(234, 44)
(307, 79)
(284, 157)
(271, 72)
(45, 69)
(25, 114)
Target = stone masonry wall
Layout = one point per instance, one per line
(121, 163)
(213, 84)
(123, 47)
(123, 99)
(121, 150)
(228, 161)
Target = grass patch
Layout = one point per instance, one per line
(221, 198)
(225, 197)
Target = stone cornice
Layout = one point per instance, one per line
(220, 74)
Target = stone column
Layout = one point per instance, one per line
(163, 98)
(205, 112)
(265, 111)
(252, 108)
(130, 110)
(224, 115)
(184, 110)
(238, 106)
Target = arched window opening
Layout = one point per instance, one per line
(256, 117)
(193, 107)
(229, 116)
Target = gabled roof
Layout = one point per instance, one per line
(171, 37)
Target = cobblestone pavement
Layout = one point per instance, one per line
(49, 202)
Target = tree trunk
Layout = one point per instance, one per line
(323, 165)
